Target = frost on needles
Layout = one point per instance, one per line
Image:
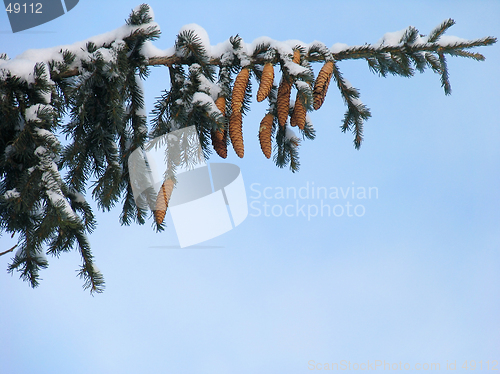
(92, 92)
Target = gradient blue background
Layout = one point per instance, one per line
(414, 280)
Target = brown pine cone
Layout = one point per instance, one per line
(236, 119)
(239, 89)
(321, 84)
(266, 82)
(298, 117)
(159, 216)
(283, 100)
(219, 137)
(219, 142)
(162, 200)
(284, 91)
(265, 133)
(236, 133)
(220, 103)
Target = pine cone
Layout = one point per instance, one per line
(219, 142)
(321, 84)
(266, 82)
(220, 103)
(162, 201)
(265, 133)
(219, 137)
(159, 216)
(236, 133)
(236, 119)
(283, 100)
(298, 117)
(239, 89)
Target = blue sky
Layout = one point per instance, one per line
(415, 279)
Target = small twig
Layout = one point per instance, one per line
(7, 251)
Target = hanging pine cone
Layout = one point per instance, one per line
(236, 119)
(239, 89)
(236, 133)
(220, 103)
(284, 91)
(265, 133)
(219, 142)
(219, 137)
(321, 84)
(162, 201)
(159, 216)
(266, 82)
(298, 117)
(283, 100)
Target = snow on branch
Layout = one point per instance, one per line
(405, 41)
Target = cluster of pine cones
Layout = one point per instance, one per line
(234, 130)
(297, 118)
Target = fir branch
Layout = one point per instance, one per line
(366, 51)
(356, 112)
(369, 51)
(433, 62)
(262, 50)
(281, 158)
(291, 147)
(445, 80)
(419, 61)
(188, 45)
(462, 53)
(29, 259)
(286, 148)
(440, 30)
(92, 277)
(141, 16)
(448, 47)
(410, 36)
(133, 137)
